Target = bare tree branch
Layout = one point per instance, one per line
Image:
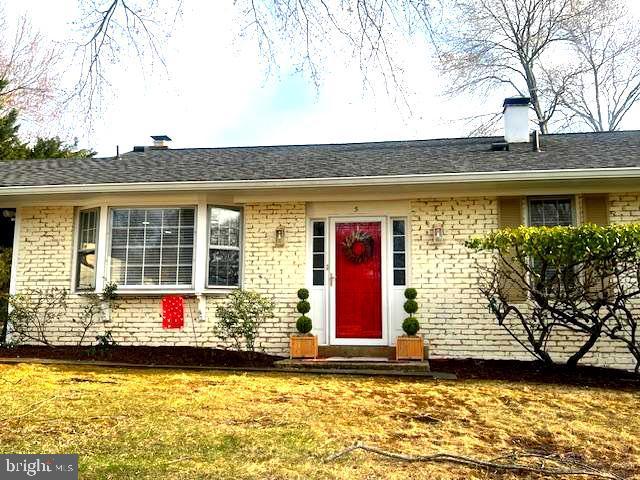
(606, 80)
(110, 28)
(28, 63)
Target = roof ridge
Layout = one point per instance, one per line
(377, 142)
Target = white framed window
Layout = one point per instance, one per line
(550, 212)
(152, 247)
(399, 246)
(86, 249)
(225, 247)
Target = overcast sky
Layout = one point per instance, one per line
(217, 92)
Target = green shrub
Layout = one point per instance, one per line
(303, 307)
(410, 326)
(411, 307)
(548, 280)
(304, 325)
(240, 318)
(410, 294)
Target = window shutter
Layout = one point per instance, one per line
(596, 209)
(510, 216)
(510, 212)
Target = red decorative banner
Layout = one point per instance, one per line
(172, 311)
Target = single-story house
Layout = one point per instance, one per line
(201, 222)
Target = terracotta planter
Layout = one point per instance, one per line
(410, 347)
(304, 346)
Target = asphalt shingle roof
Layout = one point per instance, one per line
(466, 155)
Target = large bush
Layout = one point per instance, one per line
(239, 319)
(574, 279)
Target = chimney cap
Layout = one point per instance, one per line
(516, 101)
(161, 138)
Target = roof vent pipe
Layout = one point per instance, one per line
(535, 141)
(516, 119)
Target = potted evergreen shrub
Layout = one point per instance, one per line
(410, 346)
(303, 344)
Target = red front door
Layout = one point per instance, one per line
(358, 280)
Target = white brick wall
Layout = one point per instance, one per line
(453, 314)
(45, 255)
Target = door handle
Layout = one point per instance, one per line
(332, 278)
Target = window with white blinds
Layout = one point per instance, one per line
(152, 246)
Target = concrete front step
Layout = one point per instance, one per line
(325, 351)
(379, 364)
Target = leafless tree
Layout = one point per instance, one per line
(28, 63)
(575, 59)
(492, 44)
(606, 83)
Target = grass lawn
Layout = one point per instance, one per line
(128, 423)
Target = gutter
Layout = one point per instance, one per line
(423, 179)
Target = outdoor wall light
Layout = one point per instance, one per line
(438, 232)
(280, 236)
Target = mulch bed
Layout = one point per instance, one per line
(515, 371)
(193, 356)
(518, 371)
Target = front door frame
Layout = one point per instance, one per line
(333, 340)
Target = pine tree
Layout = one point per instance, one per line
(12, 148)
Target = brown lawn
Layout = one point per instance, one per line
(135, 423)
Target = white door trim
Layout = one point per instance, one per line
(333, 340)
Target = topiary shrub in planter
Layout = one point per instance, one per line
(303, 345)
(410, 346)
(304, 325)
(411, 326)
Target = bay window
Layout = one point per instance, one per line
(152, 247)
(225, 230)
